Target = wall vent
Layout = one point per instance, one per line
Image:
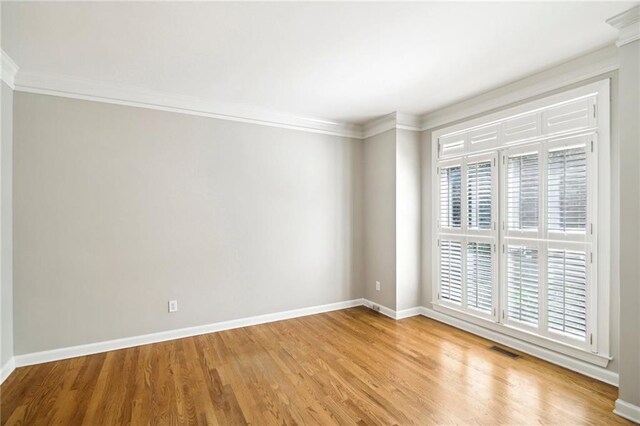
(504, 351)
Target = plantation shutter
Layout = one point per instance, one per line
(567, 190)
(451, 271)
(479, 194)
(567, 292)
(522, 192)
(522, 284)
(451, 197)
(479, 276)
(521, 223)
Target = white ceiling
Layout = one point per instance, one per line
(336, 61)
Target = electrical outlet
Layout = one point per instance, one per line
(173, 306)
(378, 285)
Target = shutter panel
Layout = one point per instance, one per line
(522, 284)
(484, 137)
(452, 144)
(567, 292)
(522, 127)
(451, 271)
(567, 190)
(479, 276)
(479, 194)
(569, 116)
(522, 192)
(451, 197)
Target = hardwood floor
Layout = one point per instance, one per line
(346, 367)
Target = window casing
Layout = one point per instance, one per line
(516, 229)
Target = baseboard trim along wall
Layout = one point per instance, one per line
(556, 358)
(7, 369)
(405, 313)
(581, 367)
(128, 342)
(627, 410)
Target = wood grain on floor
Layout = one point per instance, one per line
(346, 367)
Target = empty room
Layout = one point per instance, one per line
(323, 213)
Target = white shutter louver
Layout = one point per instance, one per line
(479, 194)
(451, 271)
(522, 284)
(567, 190)
(522, 192)
(567, 292)
(451, 197)
(479, 276)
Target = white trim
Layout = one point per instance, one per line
(379, 125)
(396, 315)
(131, 96)
(628, 23)
(571, 72)
(524, 335)
(410, 312)
(380, 308)
(128, 342)
(408, 122)
(535, 106)
(553, 357)
(627, 410)
(7, 369)
(9, 69)
(394, 120)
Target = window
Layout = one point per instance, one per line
(467, 249)
(516, 228)
(451, 197)
(522, 285)
(451, 271)
(479, 195)
(522, 192)
(480, 277)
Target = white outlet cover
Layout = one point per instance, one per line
(378, 285)
(173, 305)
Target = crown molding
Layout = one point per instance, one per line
(130, 96)
(574, 71)
(628, 23)
(9, 69)
(408, 121)
(379, 125)
(394, 120)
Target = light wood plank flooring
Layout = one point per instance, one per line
(346, 367)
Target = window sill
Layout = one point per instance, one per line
(600, 360)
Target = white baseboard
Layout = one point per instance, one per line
(92, 348)
(7, 369)
(405, 313)
(379, 308)
(410, 312)
(128, 342)
(565, 361)
(627, 410)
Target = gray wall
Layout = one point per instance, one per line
(120, 209)
(629, 216)
(6, 290)
(392, 218)
(427, 204)
(427, 239)
(408, 219)
(380, 218)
